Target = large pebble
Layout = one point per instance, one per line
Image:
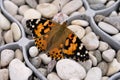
(114, 67)
(31, 3)
(36, 61)
(76, 4)
(94, 73)
(98, 55)
(116, 37)
(8, 36)
(16, 31)
(118, 56)
(66, 67)
(18, 2)
(29, 14)
(19, 54)
(108, 28)
(11, 7)
(6, 56)
(108, 55)
(22, 9)
(53, 76)
(45, 59)
(90, 41)
(80, 22)
(33, 51)
(17, 68)
(103, 46)
(47, 10)
(78, 30)
(4, 23)
(4, 75)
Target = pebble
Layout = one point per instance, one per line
(19, 54)
(113, 14)
(82, 10)
(16, 31)
(98, 6)
(45, 59)
(105, 78)
(66, 67)
(98, 55)
(90, 41)
(93, 59)
(94, 73)
(47, 10)
(4, 23)
(17, 68)
(11, 7)
(19, 2)
(96, 1)
(18, 17)
(6, 56)
(80, 22)
(108, 28)
(104, 67)
(116, 37)
(74, 79)
(51, 66)
(76, 4)
(99, 18)
(53, 76)
(33, 51)
(108, 55)
(31, 3)
(22, 9)
(118, 56)
(8, 36)
(78, 30)
(103, 46)
(110, 3)
(4, 75)
(114, 67)
(1, 38)
(45, 1)
(29, 14)
(88, 30)
(36, 61)
(43, 71)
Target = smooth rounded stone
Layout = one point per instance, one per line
(7, 55)
(8, 36)
(113, 14)
(105, 78)
(88, 30)
(110, 3)
(96, 1)
(74, 79)
(104, 67)
(98, 6)
(51, 66)
(11, 7)
(114, 67)
(76, 4)
(78, 30)
(82, 10)
(4, 75)
(53, 76)
(47, 10)
(17, 68)
(59, 3)
(19, 54)
(4, 23)
(33, 51)
(103, 46)
(18, 17)
(16, 31)
(90, 41)
(18, 2)
(31, 3)
(45, 1)
(98, 55)
(93, 59)
(116, 37)
(118, 56)
(22, 9)
(87, 64)
(99, 18)
(108, 55)
(36, 61)
(66, 67)
(29, 14)
(108, 28)
(74, 14)
(45, 59)
(94, 73)
(80, 22)
(43, 71)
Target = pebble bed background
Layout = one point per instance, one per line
(19, 56)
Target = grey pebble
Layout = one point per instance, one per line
(36, 61)
(43, 71)
(31, 3)
(98, 6)
(118, 56)
(98, 55)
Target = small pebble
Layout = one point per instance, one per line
(45, 59)
(53, 76)
(118, 56)
(113, 14)
(22, 9)
(110, 3)
(82, 10)
(105, 78)
(36, 61)
(103, 46)
(44, 1)
(108, 55)
(19, 54)
(8, 36)
(88, 30)
(99, 18)
(116, 37)
(33, 51)
(93, 59)
(4, 75)
(31, 3)
(96, 1)
(43, 71)
(18, 2)
(98, 55)
(18, 17)
(98, 6)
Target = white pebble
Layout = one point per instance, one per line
(47, 10)
(108, 55)
(22, 9)
(31, 3)
(45, 59)
(44, 1)
(110, 3)
(67, 69)
(19, 54)
(18, 2)
(116, 37)
(16, 31)
(33, 51)
(103, 46)
(113, 13)
(53, 76)
(80, 22)
(93, 59)
(8, 36)
(4, 75)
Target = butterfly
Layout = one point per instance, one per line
(57, 40)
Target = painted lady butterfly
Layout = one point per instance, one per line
(57, 40)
